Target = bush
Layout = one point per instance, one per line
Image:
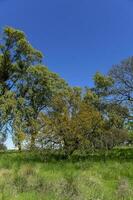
(3, 147)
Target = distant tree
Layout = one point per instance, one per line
(122, 76)
(120, 92)
(114, 115)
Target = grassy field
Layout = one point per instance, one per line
(26, 177)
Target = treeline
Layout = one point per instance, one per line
(41, 111)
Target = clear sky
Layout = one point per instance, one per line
(77, 37)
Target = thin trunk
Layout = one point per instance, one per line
(19, 146)
(32, 144)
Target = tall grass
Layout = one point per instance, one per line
(25, 176)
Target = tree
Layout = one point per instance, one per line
(73, 123)
(16, 56)
(102, 84)
(114, 115)
(104, 89)
(65, 106)
(2, 140)
(122, 88)
(37, 106)
(38, 88)
(122, 76)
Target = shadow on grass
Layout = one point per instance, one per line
(43, 156)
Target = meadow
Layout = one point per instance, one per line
(29, 176)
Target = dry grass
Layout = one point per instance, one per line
(28, 179)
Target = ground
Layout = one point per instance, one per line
(27, 177)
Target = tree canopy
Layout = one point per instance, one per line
(38, 107)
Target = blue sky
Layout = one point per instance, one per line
(77, 37)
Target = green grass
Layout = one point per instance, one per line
(24, 176)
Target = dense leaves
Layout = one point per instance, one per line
(41, 111)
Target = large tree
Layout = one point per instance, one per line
(37, 88)
(16, 56)
(78, 121)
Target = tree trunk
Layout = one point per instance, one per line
(19, 146)
(32, 144)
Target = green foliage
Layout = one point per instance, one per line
(41, 111)
(16, 56)
(102, 84)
